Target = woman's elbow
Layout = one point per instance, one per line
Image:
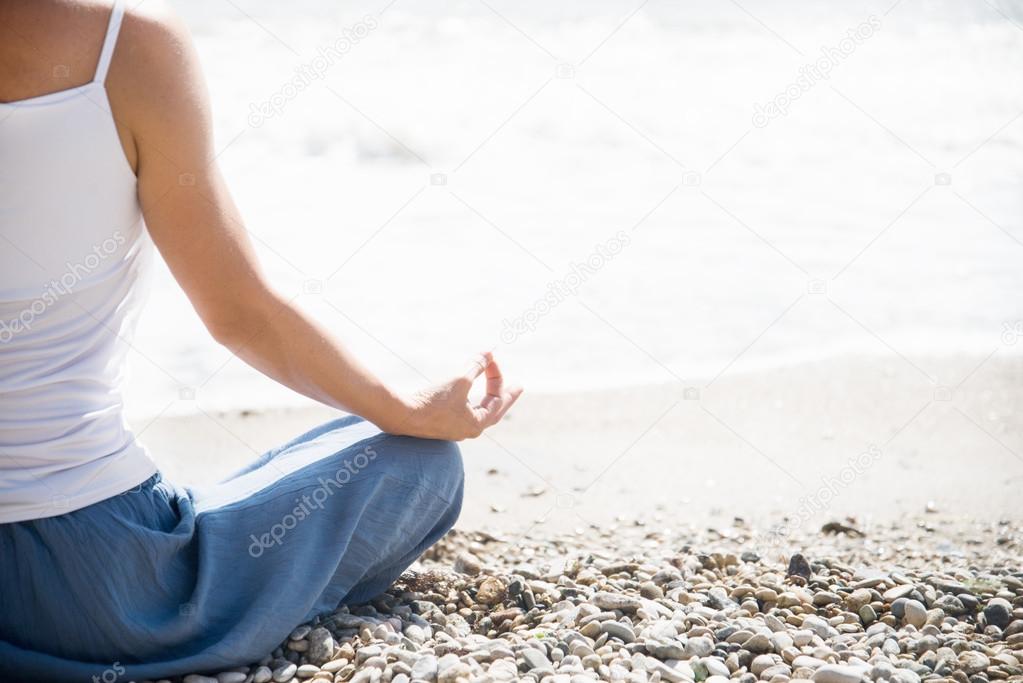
(237, 325)
(230, 334)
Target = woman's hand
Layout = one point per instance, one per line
(444, 411)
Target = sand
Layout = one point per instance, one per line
(867, 438)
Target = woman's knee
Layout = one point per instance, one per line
(452, 469)
(445, 455)
(431, 464)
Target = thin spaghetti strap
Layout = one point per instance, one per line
(116, 14)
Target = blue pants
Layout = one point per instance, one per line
(161, 581)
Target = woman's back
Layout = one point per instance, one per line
(75, 253)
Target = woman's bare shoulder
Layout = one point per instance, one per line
(152, 28)
(153, 49)
(155, 77)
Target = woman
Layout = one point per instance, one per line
(107, 572)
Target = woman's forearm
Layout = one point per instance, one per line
(284, 343)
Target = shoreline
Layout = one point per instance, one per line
(810, 443)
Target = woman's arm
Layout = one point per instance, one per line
(159, 97)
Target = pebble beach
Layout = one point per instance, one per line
(932, 598)
(693, 559)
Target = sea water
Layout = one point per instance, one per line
(610, 193)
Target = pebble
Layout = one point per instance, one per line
(973, 662)
(616, 629)
(307, 671)
(651, 591)
(893, 594)
(802, 637)
(300, 632)
(699, 646)
(761, 663)
(366, 676)
(825, 598)
(666, 672)
(417, 634)
(950, 604)
(670, 650)
(466, 563)
(425, 668)
(858, 598)
(905, 675)
(798, 566)
(781, 641)
(535, 659)
(616, 601)
(819, 626)
(808, 662)
(998, 612)
(758, 644)
(456, 672)
(837, 673)
(915, 613)
(321, 646)
(284, 672)
(491, 591)
(231, 677)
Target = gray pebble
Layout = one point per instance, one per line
(535, 659)
(893, 594)
(616, 601)
(700, 646)
(284, 673)
(616, 629)
(425, 668)
(915, 613)
(758, 644)
(998, 612)
(262, 675)
(837, 673)
(307, 671)
(231, 677)
(321, 646)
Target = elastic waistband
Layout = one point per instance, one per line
(144, 486)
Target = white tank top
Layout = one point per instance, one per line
(73, 254)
